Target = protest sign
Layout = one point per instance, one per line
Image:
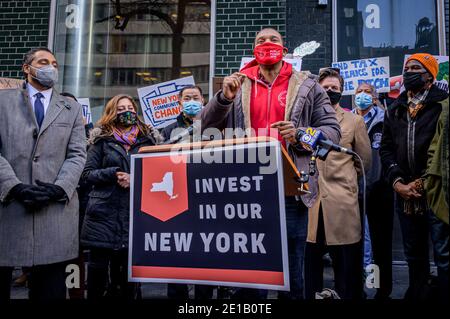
(374, 71)
(159, 102)
(87, 114)
(296, 62)
(442, 76)
(306, 48)
(209, 223)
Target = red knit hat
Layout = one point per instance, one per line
(428, 61)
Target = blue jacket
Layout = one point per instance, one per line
(375, 129)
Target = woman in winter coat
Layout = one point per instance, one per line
(120, 133)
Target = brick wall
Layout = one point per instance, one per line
(23, 25)
(237, 22)
(306, 21)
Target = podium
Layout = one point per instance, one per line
(290, 171)
(221, 223)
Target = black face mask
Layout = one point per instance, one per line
(413, 81)
(335, 97)
(127, 118)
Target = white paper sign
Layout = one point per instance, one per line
(296, 62)
(306, 48)
(374, 71)
(87, 114)
(160, 103)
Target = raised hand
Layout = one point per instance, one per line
(232, 84)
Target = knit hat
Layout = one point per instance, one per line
(428, 61)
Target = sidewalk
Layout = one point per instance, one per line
(399, 269)
(159, 291)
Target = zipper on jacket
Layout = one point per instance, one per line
(269, 93)
(410, 142)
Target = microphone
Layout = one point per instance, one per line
(187, 132)
(311, 138)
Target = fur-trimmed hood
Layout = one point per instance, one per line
(97, 133)
(94, 135)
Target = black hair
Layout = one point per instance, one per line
(191, 87)
(29, 56)
(67, 94)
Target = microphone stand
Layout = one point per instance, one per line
(179, 137)
(321, 152)
(173, 141)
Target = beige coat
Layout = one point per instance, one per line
(338, 185)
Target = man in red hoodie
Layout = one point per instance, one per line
(269, 95)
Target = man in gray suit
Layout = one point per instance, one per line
(42, 155)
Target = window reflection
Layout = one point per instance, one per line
(375, 28)
(109, 47)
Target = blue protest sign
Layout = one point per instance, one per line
(159, 102)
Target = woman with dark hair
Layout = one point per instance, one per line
(120, 133)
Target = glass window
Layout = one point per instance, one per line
(108, 47)
(375, 28)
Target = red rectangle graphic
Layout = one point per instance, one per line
(227, 275)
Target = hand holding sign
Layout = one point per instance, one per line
(232, 84)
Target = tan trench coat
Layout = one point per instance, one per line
(338, 185)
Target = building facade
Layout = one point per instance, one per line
(105, 49)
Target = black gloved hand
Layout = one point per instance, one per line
(53, 191)
(31, 196)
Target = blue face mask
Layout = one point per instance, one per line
(363, 100)
(192, 108)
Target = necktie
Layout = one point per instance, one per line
(39, 109)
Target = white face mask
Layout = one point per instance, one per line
(46, 75)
